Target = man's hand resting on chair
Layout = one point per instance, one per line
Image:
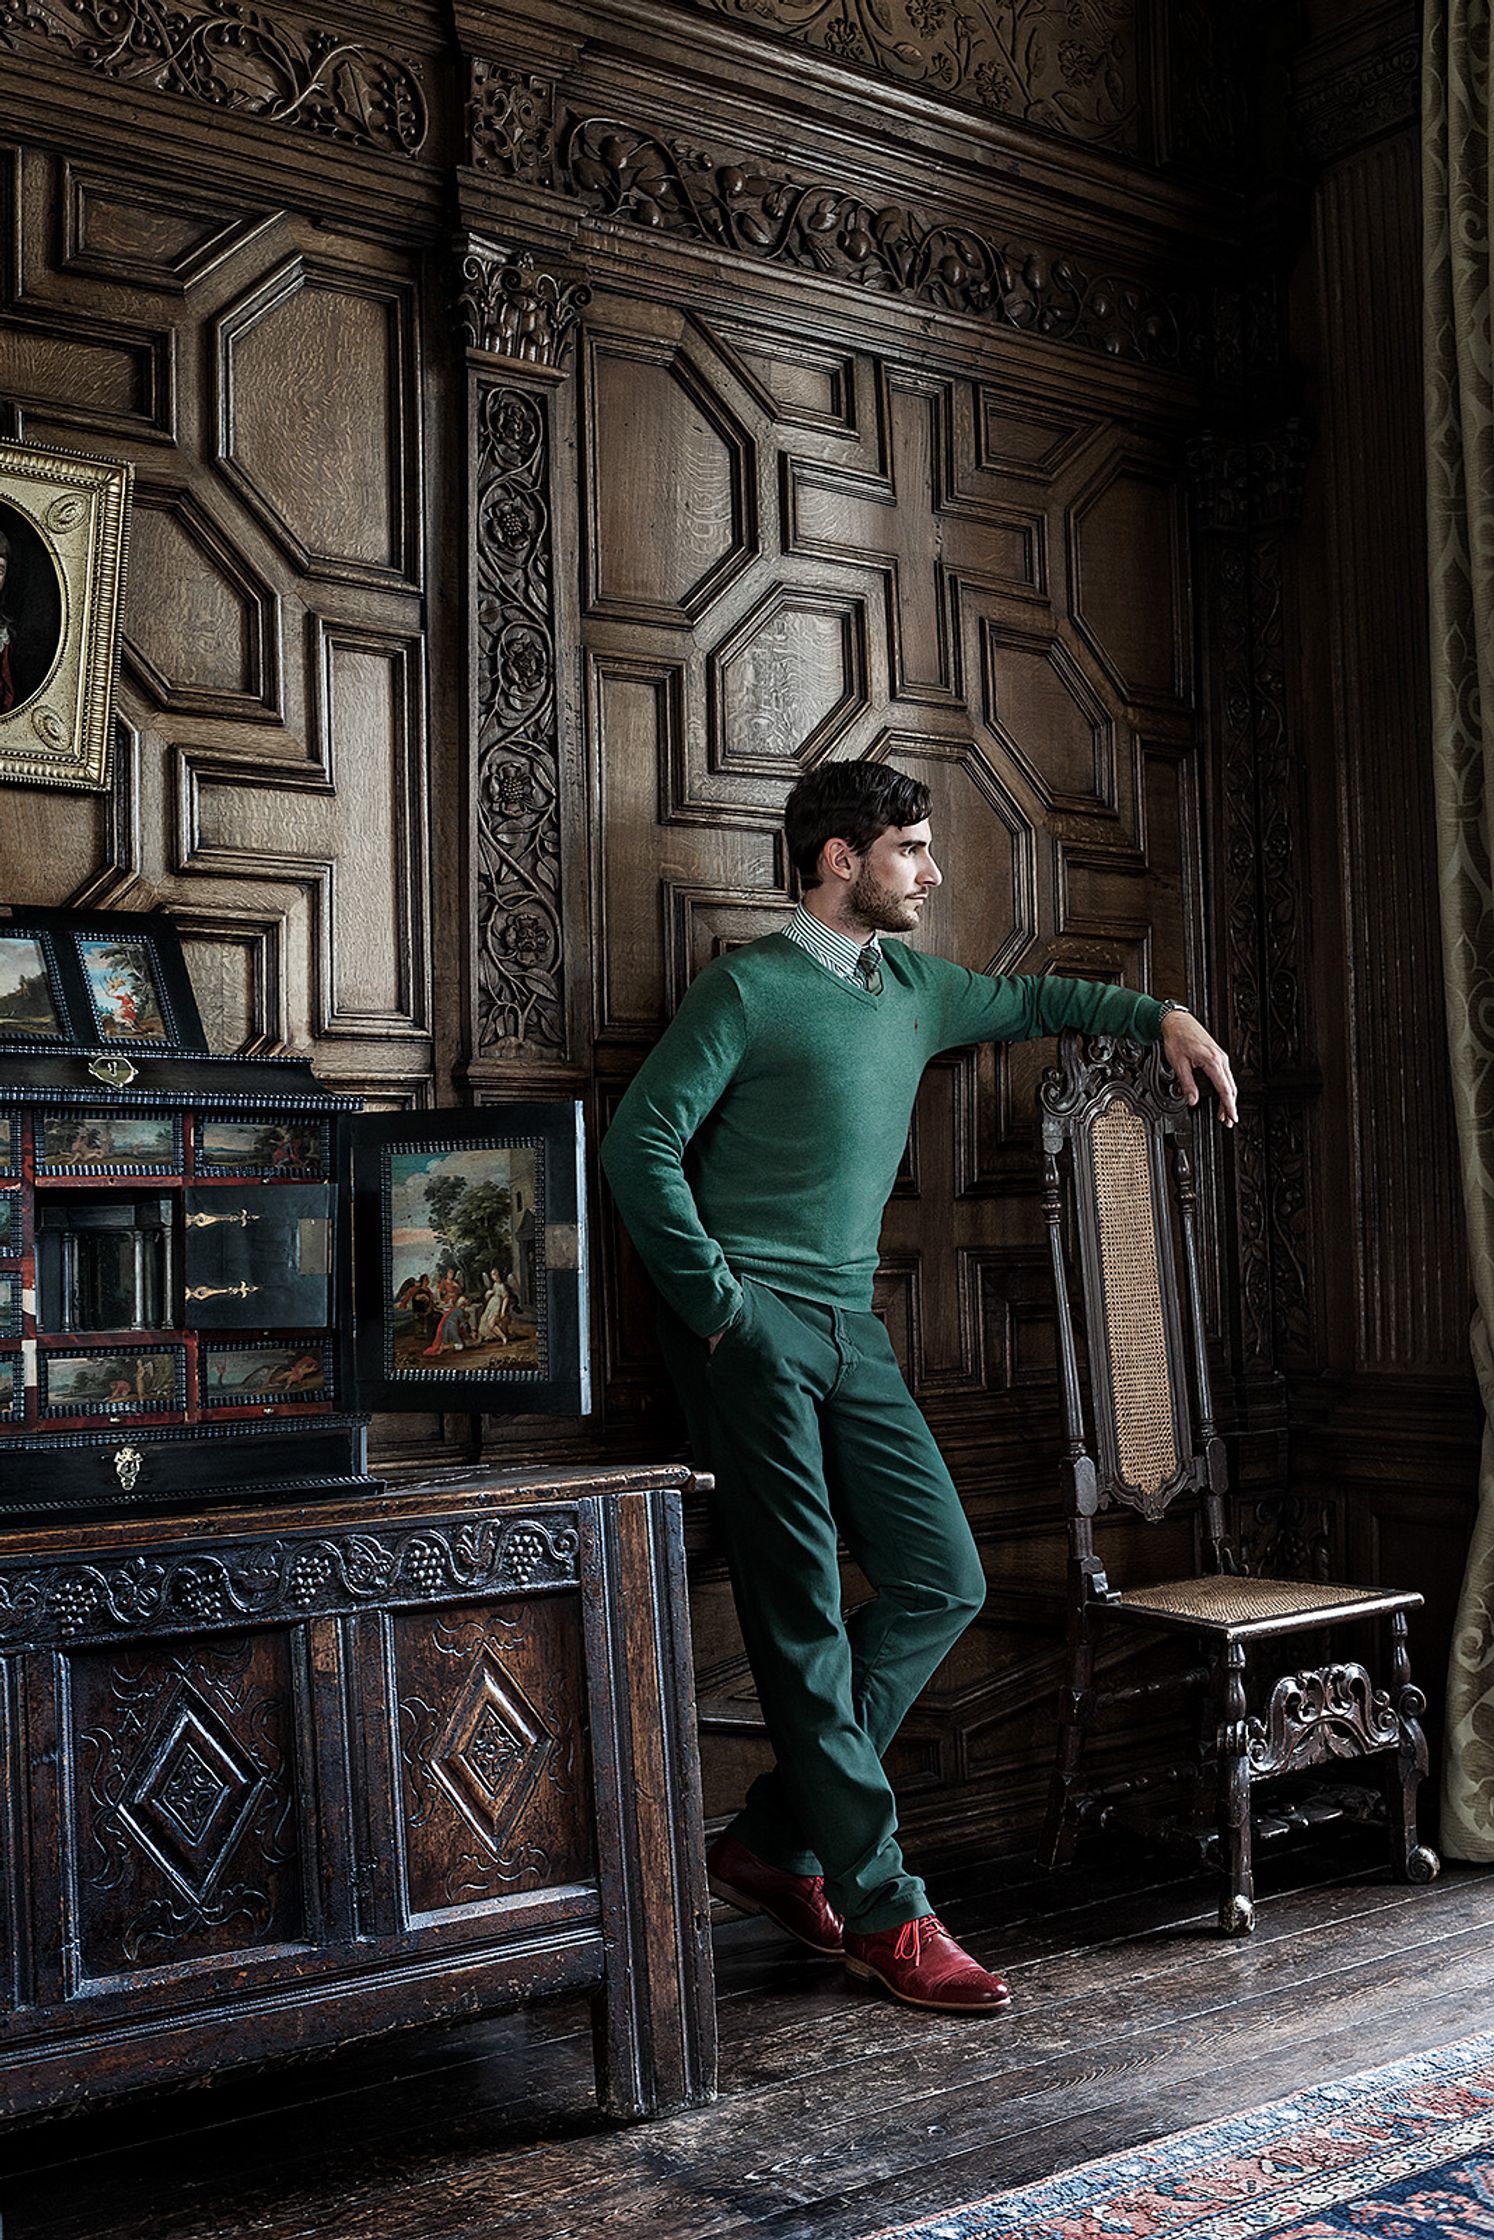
(1186, 1045)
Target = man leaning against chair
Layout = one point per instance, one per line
(751, 1159)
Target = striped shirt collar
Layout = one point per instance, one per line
(831, 948)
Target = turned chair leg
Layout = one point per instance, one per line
(1237, 1901)
(1076, 1706)
(1410, 1859)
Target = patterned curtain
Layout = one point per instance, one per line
(1456, 189)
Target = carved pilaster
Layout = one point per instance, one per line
(518, 322)
(1248, 478)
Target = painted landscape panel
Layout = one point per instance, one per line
(93, 1384)
(263, 1376)
(261, 1146)
(27, 1005)
(92, 1139)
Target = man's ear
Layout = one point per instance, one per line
(838, 860)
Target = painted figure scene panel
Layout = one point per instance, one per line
(465, 1265)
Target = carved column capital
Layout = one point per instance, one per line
(1250, 483)
(509, 308)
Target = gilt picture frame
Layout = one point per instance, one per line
(63, 521)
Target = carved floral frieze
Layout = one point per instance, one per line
(757, 210)
(1070, 69)
(238, 60)
(285, 1578)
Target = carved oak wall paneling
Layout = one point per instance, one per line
(207, 642)
(991, 584)
(145, 236)
(270, 778)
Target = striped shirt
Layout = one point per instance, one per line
(832, 949)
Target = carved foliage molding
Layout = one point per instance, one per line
(287, 1578)
(236, 60)
(520, 991)
(733, 202)
(511, 123)
(1072, 71)
(1379, 93)
(891, 249)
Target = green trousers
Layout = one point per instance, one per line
(802, 1415)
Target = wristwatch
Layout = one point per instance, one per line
(1169, 1003)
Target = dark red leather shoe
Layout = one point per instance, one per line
(797, 1902)
(920, 1963)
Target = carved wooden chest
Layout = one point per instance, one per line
(278, 1777)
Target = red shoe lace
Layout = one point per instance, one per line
(911, 1935)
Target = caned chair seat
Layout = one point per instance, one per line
(1235, 1606)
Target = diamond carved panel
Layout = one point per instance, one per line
(194, 1795)
(786, 683)
(492, 1754)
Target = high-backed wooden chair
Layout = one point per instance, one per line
(1109, 1111)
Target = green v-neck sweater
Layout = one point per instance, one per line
(762, 1134)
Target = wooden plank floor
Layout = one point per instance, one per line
(840, 2112)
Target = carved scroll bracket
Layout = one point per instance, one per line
(509, 308)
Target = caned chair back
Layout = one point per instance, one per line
(1109, 1111)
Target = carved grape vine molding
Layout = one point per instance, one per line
(283, 1579)
(237, 60)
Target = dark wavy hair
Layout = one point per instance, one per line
(850, 801)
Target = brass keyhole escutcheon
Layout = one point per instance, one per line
(127, 1466)
(115, 1073)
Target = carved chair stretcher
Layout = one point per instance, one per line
(1108, 1110)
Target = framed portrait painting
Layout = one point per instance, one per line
(62, 541)
(470, 1257)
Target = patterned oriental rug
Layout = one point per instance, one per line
(1400, 2153)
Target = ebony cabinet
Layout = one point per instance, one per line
(212, 1267)
(278, 1776)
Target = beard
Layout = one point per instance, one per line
(880, 909)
